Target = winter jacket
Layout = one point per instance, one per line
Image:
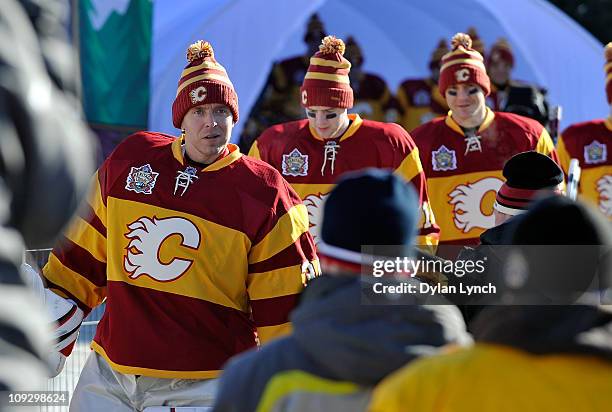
(340, 348)
(529, 358)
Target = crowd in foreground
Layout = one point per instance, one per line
(240, 283)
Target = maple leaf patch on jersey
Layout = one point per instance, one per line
(443, 159)
(595, 153)
(141, 179)
(295, 164)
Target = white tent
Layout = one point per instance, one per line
(397, 38)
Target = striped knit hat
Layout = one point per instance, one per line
(327, 80)
(526, 175)
(608, 67)
(203, 81)
(501, 50)
(463, 65)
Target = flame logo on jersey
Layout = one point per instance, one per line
(467, 200)
(604, 187)
(146, 239)
(314, 205)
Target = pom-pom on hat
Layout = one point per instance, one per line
(368, 207)
(463, 64)
(501, 50)
(477, 43)
(327, 80)
(203, 81)
(608, 68)
(526, 174)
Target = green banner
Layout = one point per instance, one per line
(115, 53)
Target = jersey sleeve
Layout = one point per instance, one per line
(280, 264)
(564, 156)
(254, 151)
(411, 170)
(546, 146)
(76, 268)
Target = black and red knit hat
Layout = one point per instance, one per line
(501, 50)
(203, 81)
(608, 68)
(526, 174)
(463, 64)
(327, 80)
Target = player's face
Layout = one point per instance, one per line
(208, 128)
(499, 71)
(467, 101)
(329, 122)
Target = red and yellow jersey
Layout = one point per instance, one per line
(420, 101)
(192, 263)
(588, 142)
(463, 183)
(312, 165)
(372, 97)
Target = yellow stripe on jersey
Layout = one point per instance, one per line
(545, 143)
(608, 123)
(85, 291)
(268, 333)
(95, 200)
(156, 373)
(202, 279)
(458, 212)
(279, 282)
(450, 122)
(254, 151)
(410, 166)
(285, 383)
(288, 228)
(305, 189)
(84, 235)
(564, 157)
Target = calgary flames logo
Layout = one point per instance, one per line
(314, 205)
(604, 187)
(467, 199)
(147, 236)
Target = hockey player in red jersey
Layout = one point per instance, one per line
(464, 153)
(312, 153)
(588, 142)
(198, 251)
(420, 99)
